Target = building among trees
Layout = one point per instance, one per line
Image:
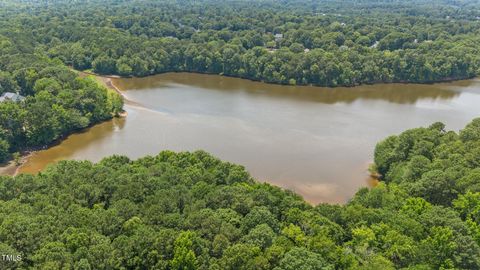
(9, 96)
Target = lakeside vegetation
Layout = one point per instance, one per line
(291, 42)
(57, 100)
(192, 211)
(57, 103)
(325, 43)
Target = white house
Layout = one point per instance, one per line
(9, 96)
(278, 37)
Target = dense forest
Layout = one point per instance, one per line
(326, 43)
(192, 211)
(57, 100)
(185, 211)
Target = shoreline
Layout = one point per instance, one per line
(9, 168)
(441, 81)
(105, 80)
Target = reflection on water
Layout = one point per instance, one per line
(396, 93)
(67, 149)
(315, 141)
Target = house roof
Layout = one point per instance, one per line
(9, 96)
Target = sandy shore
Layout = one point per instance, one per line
(11, 168)
(107, 81)
(8, 168)
(104, 80)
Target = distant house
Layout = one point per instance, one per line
(9, 96)
(278, 37)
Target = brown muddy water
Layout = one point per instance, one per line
(315, 141)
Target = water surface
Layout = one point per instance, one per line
(315, 141)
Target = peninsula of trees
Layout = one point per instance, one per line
(57, 101)
(54, 100)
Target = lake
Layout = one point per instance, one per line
(315, 141)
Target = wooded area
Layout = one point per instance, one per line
(289, 42)
(192, 211)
